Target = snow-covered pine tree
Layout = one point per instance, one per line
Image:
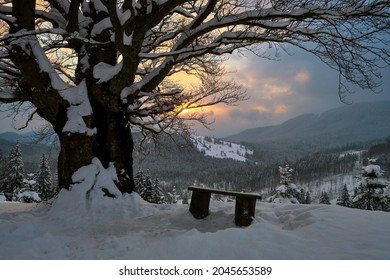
(324, 198)
(15, 172)
(302, 196)
(286, 173)
(150, 193)
(139, 180)
(148, 188)
(3, 173)
(44, 185)
(344, 198)
(287, 192)
(185, 197)
(173, 195)
(355, 192)
(3, 167)
(163, 196)
(371, 190)
(308, 198)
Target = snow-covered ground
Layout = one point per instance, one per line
(129, 228)
(221, 149)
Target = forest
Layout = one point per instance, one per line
(182, 166)
(174, 163)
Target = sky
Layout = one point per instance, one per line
(282, 89)
(295, 84)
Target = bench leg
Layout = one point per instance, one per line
(245, 210)
(199, 206)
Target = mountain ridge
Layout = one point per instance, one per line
(363, 121)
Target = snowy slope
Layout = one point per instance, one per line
(134, 229)
(221, 149)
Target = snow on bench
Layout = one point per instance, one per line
(244, 210)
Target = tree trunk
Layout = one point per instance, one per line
(112, 143)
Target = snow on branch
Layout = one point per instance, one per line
(136, 45)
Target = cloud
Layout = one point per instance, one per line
(250, 116)
(278, 90)
(302, 76)
(281, 109)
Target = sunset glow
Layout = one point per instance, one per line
(302, 76)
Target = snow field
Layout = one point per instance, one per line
(133, 229)
(221, 149)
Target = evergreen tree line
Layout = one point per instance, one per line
(371, 193)
(16, 186)
(182, 169)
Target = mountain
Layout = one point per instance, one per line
(339, 127)
(13, 137)
(357, 122)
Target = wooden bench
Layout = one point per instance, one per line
(245, 204)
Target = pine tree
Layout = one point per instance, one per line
(308, 198)
(185, 197)
(344, 199)
(44, 184)
(301, 197)
(287, 192)
(148, 188)
(151, 192)
(285, 173)
(370, 194)
(3, 166)
(173, 195)
(15, 172)
(139, 180)
(324, 198)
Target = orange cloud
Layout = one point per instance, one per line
(280, 109)
(270, 91)
(302, 76)
(262, 108)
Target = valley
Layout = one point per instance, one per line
(322, 150)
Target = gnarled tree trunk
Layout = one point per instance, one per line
(111, 142)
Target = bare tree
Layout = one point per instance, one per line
(95, 68)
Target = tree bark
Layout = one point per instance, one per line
(112, 144)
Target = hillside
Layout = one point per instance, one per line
(216, 148)
(355, 124)
(181, 163)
